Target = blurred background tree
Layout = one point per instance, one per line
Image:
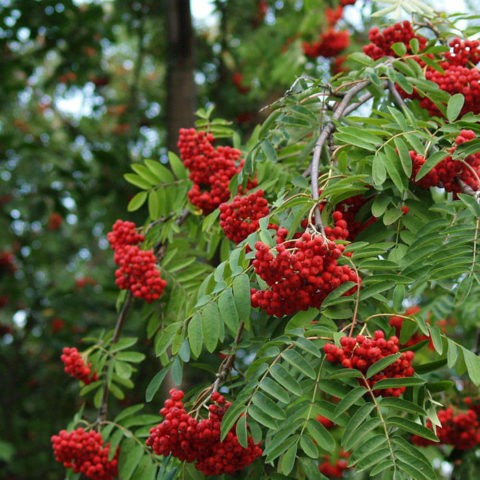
(88, 88)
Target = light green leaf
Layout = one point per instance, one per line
(155, 383)
(228, 310)
(210, 326)
(472, 362)
(137, 201)
(195, 334)
(130, 455)
(454, 106)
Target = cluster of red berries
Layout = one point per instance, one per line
(191, 440)
(383, 40)
(460, 75)
(76, 366)
(334, 468)
(350, 208)
(344, 3)
(137, 269)
(449, 173)
(397, 323)
(240, 217)
(85, 453)
(361, 352)
(211, 169)
(330, 44)
(300, 273)
(461, 430)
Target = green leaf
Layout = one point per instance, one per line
(452, 353)
(355, 421)
(398, 382)
(279, 445)
(228, 310)
(262, 417)
(284, 378)
(177, 166)
(412, 427)
(146, 470)
(381, 364)
(404, 155)
(432, 160)
(274, 389)
(154, 206)
(268, 406)
(472, 362)
(195, 334)
(241, 293)
(230, 417)
(155, 383)
(132, 357)
(299, 362)
(210, 326)
(321, 435)
(470, 203)
(309, 446)
(402, 404)
(379, 171)
(128, 412)
(362, 433)
(160, 172)
(130, 455)
(352, 397)
(454, 106)
(138, 181)
(137, 201)
(241, 431)
(287, 461)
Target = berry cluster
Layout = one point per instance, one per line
(344, 3)
(382, 41)
(191, 440)
(360, 353)
(211, 169)
(461, 430)
(472, 404)
(85, 453)
(334, 468)
(7, 262)
(330, 44)
(55, 221)
(449, 173)
(137, 270)
(300, 274)
(240, 217)
(350, 209)
(76, 366)
(397, 323)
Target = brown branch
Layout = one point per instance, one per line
(397, 98)
(327, 130)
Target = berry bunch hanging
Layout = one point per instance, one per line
(334, 467)
(240, 217)
(85, 453)
(193, 440)
(76, 367)
(450, 173)
(382, 41)
(137, 269)
(300, 273)
(462, 430)
(350, 208)
(211, 169)
(361, 352)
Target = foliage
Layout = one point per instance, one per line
(325, 141)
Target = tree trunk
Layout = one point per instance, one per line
(180, 103)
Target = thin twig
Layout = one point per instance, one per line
(396, 96)
(227, 364)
